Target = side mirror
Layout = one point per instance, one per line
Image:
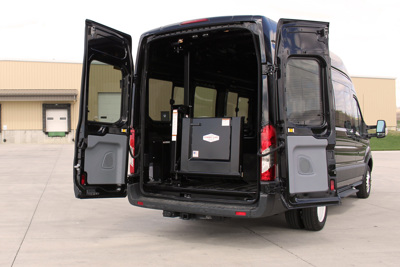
(381, 129)
(347, 126)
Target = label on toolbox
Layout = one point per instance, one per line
(211, 138)
(226, 122)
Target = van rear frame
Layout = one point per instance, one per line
(222, 117)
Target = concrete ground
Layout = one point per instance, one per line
(43, 224)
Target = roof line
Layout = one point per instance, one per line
(373, 77)
(40, 61)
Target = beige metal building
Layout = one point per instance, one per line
(39, 101)
(377, 98)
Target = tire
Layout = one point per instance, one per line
(364, 189)
(293, 219)
(314, 218)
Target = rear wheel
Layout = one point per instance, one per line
(365, 188)
(314, 218)
(293, 219)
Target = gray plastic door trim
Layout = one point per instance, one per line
(308, 171)
(105, 160)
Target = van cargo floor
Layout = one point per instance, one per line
(226, 187)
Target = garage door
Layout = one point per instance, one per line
(56, 120)
(109, 107)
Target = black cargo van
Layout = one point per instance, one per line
(221, 117)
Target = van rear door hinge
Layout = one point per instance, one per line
(124, 82)
(92, 31)
(269, 69)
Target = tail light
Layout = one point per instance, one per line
(132, 148)
(83, 178)
(332, 185)
(193, 21)
(268, 142)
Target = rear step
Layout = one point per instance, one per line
(347, 191)
(243, 189)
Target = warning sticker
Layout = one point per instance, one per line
(195, 153)
(174, 124)
(226, 122)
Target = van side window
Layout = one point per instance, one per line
(104, 96)
(243, 106)
(160, 93)
(304, 92)
(231, 104)
(178, 95)
(237, 106)
(357, 118)
(343, 100)
(205, 100)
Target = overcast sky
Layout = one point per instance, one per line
(365, 34)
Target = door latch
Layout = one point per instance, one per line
(269, 69)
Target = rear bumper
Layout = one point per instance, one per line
(266, 206)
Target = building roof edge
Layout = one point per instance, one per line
(373, 77)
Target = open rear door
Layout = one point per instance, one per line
(306, 107)
(101, 144)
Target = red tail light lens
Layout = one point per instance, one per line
(268, 142)
(132, 147)
(83, 178)
(332, 185)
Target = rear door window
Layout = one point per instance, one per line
(104, 98)
(304, 92)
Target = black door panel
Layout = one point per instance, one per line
(101, 144)
(305, 92)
